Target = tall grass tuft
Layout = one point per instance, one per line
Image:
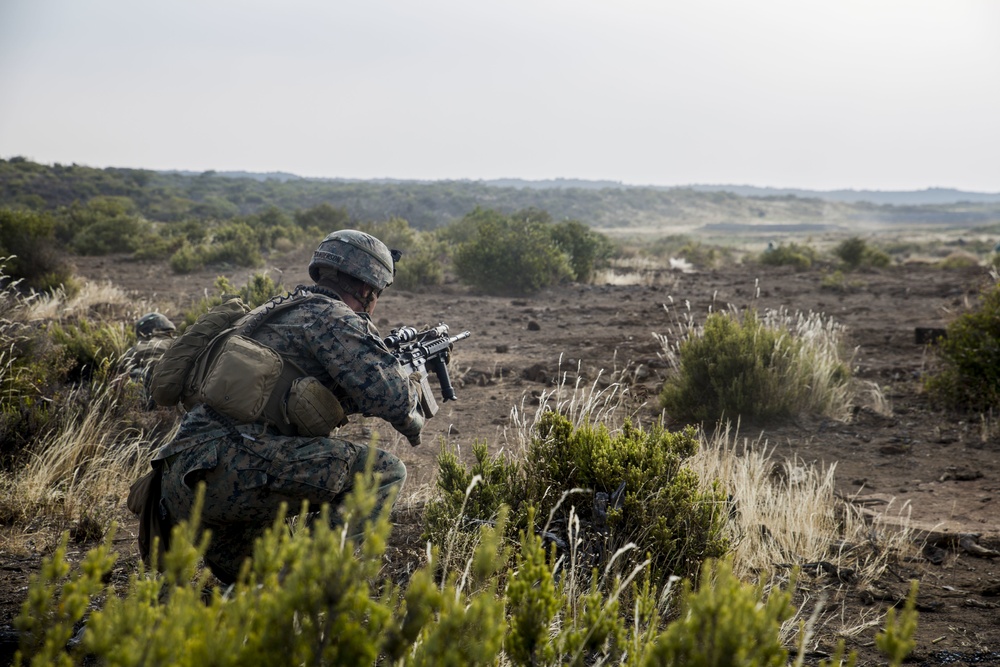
(756, 367)
(84, 466)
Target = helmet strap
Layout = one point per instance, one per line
(338, 285)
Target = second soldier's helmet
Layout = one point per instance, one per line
(151, 324)
(357, 254)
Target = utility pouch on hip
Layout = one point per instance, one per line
(313, 408)
(241, 378)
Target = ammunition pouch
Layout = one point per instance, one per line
(312, 408)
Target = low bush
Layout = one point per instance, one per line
(587, 250)
(969, 377)
(959, 259)
(93, 348)
(30, 252)
(630, 486)
(856, 253)
(793, 254)
(758, 369)
(234, 243)
(511, 256)
(726, 622)
(187, 259)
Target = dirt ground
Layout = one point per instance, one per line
(947, 467)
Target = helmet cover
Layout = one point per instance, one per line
(356, 254)
(151, 324)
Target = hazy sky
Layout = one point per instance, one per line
(877, 94)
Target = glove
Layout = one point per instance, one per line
(414, 440)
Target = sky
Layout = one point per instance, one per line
(823, 95)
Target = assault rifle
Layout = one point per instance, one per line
(419, 351)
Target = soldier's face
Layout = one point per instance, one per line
(371, 303)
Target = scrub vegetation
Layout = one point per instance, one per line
(581, 534)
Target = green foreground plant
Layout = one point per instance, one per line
(313, 595)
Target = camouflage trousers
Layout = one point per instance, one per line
(249, 474)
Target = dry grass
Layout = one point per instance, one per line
(82, 470)
(56, 306)
(644, 271)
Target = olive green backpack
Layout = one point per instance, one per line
(216, 362)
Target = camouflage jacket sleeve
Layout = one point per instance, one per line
(362, 368)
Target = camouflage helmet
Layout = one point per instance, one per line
(356, 254)
(151, 324)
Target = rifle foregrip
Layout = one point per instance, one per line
(441, 370)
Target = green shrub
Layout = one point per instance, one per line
(756, 369)
(659, 505)
(310, 596)
(855, 253)
(793, 254)
(32, 371)
(838, 282)
(970, 354)
(234, 243)
(726, 622)
(275, 228)
(537, 598)
(30, 252)
(466, 229)
(104, 225)
(896, 641)
(587, 250)
(511, 256)
(187, 259)
(91, 347)
(157, 247)
(959, 260)
(113, 235)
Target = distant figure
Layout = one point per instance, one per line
(996, 248)
(770, 247)
(154, 333)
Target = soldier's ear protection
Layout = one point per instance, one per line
(396, 256)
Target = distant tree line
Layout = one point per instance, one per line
(178, 196)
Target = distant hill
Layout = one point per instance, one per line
(256, 176)
(892, 197)
(181, 195)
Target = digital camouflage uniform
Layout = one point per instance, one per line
(250, 469)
